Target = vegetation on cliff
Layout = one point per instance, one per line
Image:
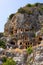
(30, 8)
(29, 50)
(10, 16)
(24, 29)
(9, 62)
(2, 44)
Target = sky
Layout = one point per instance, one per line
(8, 7)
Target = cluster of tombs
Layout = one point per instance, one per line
(24, 43)
(19, 33)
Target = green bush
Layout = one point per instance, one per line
(36, 4)
(10, 16)
(9, 62)
(24, 10)
(29, 5)
(4, 59)
(2, 44)
(29, 50)
(21, 10)
(1, 35)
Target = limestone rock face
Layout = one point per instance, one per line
(22, 21)
(22, 30)
(24, 26)
(39, 54)
(21, 58)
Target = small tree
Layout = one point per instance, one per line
(29, 50)
(9, 62)
(21, 10)
(2, 43)
(36, 4)
(4, 59)
(29, 5)
(10, 16)
(1, 35)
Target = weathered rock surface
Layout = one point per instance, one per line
(24, 28)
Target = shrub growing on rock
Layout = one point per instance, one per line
(10, 16)
(1, 35)
(2, 44)
(4, 59)
(29, 50)
(9, 62)
(29, 5)
(21, 10)
(36, 4)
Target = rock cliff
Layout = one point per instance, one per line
(26, 24)
(22, 30)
